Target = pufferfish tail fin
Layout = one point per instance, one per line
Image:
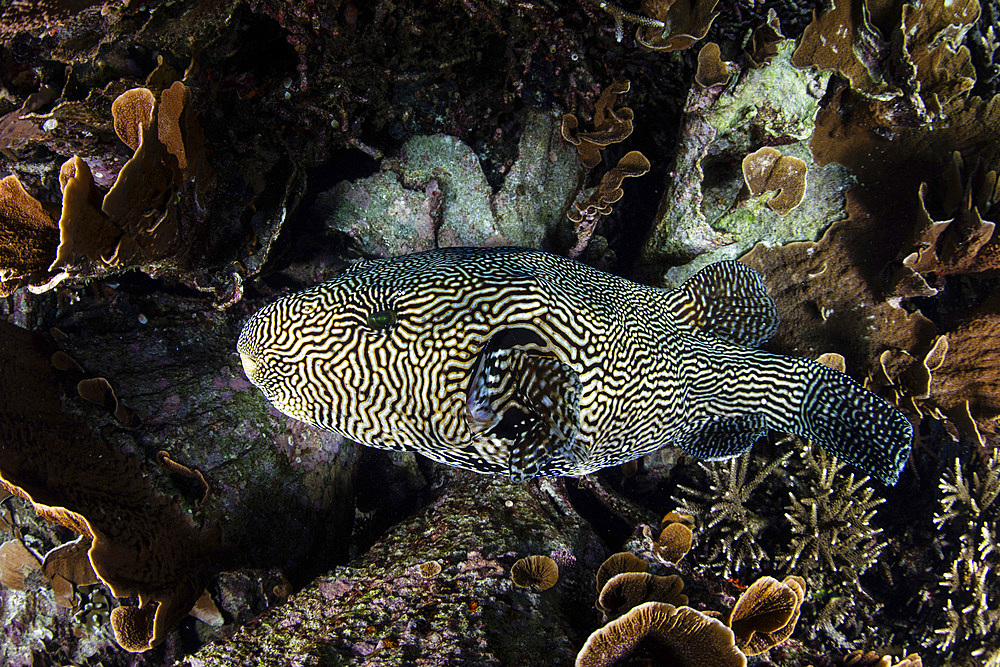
(727, 300)
(853, 424)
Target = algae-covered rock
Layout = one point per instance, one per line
(703, 217)
(434, 194)
(381, 610)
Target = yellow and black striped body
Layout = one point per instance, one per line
(515, 361)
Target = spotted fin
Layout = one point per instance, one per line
(723, 437)
(728, 300)
(853, 424)
(530, 400)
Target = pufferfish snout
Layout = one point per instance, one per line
(519, 362)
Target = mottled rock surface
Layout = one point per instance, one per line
(379, 610)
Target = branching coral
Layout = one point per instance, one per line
(833, 540)
(970, 510)
(622, 16)
(728, 539)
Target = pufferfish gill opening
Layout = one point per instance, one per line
(519, 362)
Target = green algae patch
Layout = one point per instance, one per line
(779, 101)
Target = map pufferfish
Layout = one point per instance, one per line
(524, 363)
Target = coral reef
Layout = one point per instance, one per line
(137, 542)
(376, 610)
(730, 523)
(700, 216)
(833, 540)
(167, 167)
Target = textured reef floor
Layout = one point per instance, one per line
(168, 167)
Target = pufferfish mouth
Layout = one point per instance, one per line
(249, 366)
(490, 373)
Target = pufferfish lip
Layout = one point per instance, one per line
(249, 366)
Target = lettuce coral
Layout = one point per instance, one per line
(136, 222)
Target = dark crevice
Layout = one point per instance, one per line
(612, 529)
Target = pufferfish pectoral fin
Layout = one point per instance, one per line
(530, 400)
(722, 437)
(728, 300)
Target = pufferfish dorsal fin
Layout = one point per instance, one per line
(530, 400)
(722, 437)
(728, 300)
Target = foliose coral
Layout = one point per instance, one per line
(766, 613)
(539, 572)
(675, 635)
(136, 222)
(684, 23)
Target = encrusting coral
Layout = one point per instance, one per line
(31, 15)
(703, 216)
(138, 541)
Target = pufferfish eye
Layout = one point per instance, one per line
(381, 319)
